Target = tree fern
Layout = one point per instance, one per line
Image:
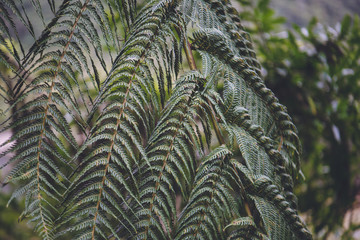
(116, 135)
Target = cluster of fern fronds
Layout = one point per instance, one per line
(119, 132)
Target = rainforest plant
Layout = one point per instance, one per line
(144, 120)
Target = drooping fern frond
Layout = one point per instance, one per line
(268, 198)
(212, 41)
(257, 149)
(98, 195)
(114, 137)
(172, 151)
(43, 140)
(222, 16)
(212, 201)
(237, 41)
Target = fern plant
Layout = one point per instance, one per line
(119, 132)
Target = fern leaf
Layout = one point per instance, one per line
(213, 42)
(211, 201)
(171, 155)
(116, 141)
(45, 135)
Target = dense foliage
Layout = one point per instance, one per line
(112, 119)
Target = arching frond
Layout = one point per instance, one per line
(171, 152)
(220, 15)
(44, 92)
(212, 200)
(212, 41)
(43, 136)
(104, 182)
(279, 211)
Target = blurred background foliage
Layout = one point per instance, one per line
(313, 68)
(10, 229)
(327, 11)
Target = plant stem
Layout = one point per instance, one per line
(189, 56)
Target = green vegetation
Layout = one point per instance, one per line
(10, 228)
(110, 139)
(151, 119)
(330, 12)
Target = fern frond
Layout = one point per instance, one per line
(116, 140)
(212, 41)
(258, 150)
(277, 205)
(254, 130)
(220, 15)
(212, 201)
(172, 158)
(244, 228)
(43, 136)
